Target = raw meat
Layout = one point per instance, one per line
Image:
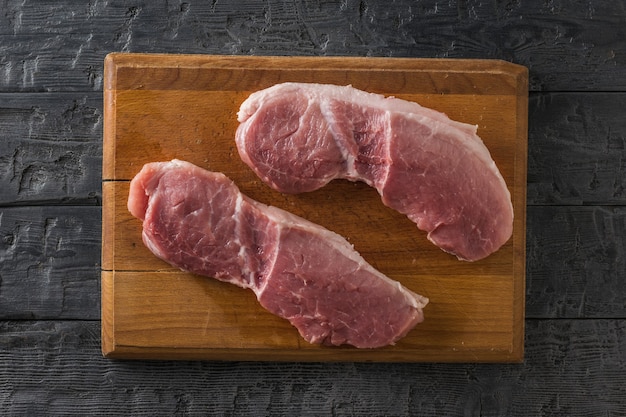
(200, 222)
(298, 137)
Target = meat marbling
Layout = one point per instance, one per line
(298, 137)
(200, 222)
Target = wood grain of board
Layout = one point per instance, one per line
(160, 107)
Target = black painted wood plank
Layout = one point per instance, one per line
(50, 262)
(575, 262)
(59, 46)
(572, 368)
(577, 148)
(50, 148)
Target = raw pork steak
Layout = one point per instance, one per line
(200, 222)
(298, 137)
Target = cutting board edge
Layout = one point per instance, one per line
(520, 196)
(112, 350)
(190, 72)
(116, 351)
(116, 60)
(107, 330)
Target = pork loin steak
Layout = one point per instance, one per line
(200, 222)
(438, 172)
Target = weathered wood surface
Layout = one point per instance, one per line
(50, 148)
(49, 261)
(573, 368)
(577, 149)
(51, 62)
(568, 45)
(575, 262)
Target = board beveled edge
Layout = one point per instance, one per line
(109, 122)
(143, 60)
(107, 273)
(189, 71)
(520, 167)
(107, 326)
(277, 355)
(519, 254)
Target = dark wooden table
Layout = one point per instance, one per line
(51, 56)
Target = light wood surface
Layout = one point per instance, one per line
(160, 107)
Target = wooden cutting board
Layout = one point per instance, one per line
(160, 107)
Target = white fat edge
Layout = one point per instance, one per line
(317, 95)
(318, 90)
(351, 172)
(242, 254)
(249, 106)
(388, 135)
(377, 100)
(265, 210)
